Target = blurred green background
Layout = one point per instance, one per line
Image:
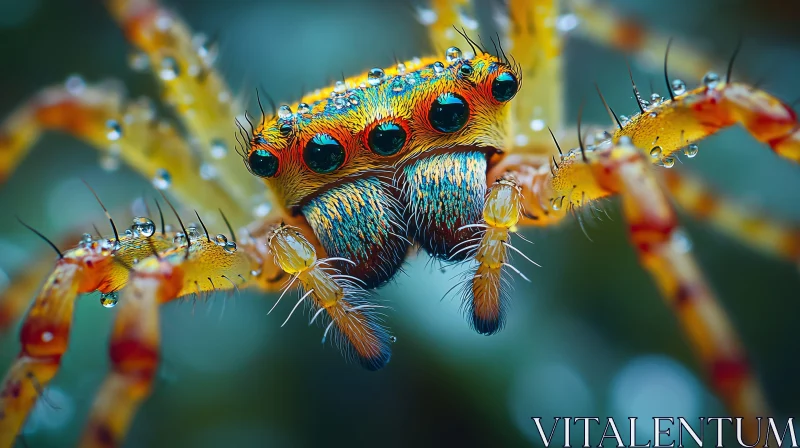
(590, 335)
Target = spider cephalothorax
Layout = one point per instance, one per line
(408, 144)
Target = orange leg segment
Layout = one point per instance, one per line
(672, 125)
(582, 177)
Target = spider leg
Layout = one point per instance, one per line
(485, 297)
(750, 226)
(600, 23)
(583, 177)
(653, 228)
(103, 265)
(358, 329)
(529, 34)
(99, 115)
(45, 332)
(183, 63)
(672, 125)
(135, 338)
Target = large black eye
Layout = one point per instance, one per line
(263, 163)
(323, 154)
(387, 138)
(449, 112)
(504, 87)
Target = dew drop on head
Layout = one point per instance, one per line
(453, 55)
(375, 76)
(143, 226)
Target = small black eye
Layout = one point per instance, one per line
(387, 138)
(263, 163)
(504, 87)
(323, 154)
(449, 112)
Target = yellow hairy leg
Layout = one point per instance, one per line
(531, 35)
(206, 266)
(550, 192)
(183, 62)
(101, 265)
(672, 125)
(599, 23)
(99, 115)
(746, 224)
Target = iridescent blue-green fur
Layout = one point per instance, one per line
(360, 221)
(444, 192)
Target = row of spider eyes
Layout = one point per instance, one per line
(323, 154)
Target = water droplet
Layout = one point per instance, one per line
(438, 68)
(681, 241)
(401, 68)
(393, 339)
(303, 108)
(668, 162)
(678, 87)
(566, 22)
(180, 238)
(221, 240)
(169, 69)
(255, 273)
(537, 125)
(655, 152)
(109, 162)
(193, 233)
(558, 203)
(138, 61)
(711, 80)
(47, 336)
(262, 210)
(114, 130)
(162, 180)
(339, 102)
(285, 129)
(218, 149)
(284, 112)
(691, 150)
(339, 87)
(109, 300)
(624, 119)
(129, 233)
(655, 99)
(206, 49)
(398, 85)
(653, 114)
(75, 85)
(426, 16)
(375, 76)
(230, 247)
(86, 238)
(208, 171)
(144, 226)
(452, 55)
(163, 21)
